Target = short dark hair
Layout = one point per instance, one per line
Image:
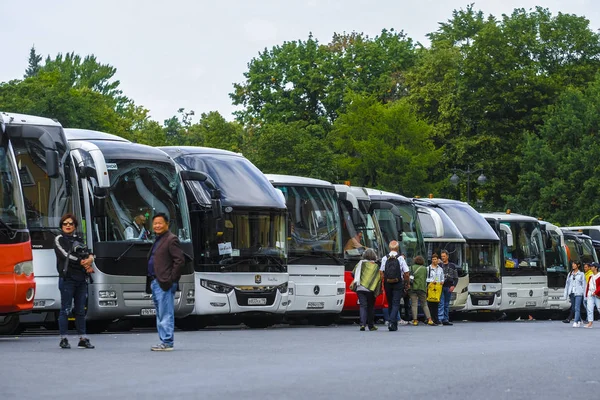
(419, 260)
(162, 215)
(66, 217)
(444, 251)
(435, 255)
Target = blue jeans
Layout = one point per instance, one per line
(591, 302)
(164, 301)
(72, 290)
(394, 292)
(576, 304)
(444, 308)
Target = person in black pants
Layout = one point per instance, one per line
(73, 263)
(397, 287)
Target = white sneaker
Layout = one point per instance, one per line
(576, 324)
(403, 322)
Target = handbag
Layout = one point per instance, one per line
(434, 292)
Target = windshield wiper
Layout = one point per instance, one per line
(270, 257)
(7, 230)
(117, 259)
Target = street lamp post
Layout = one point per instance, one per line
(454, 179)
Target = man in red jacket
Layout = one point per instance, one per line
(164, 270)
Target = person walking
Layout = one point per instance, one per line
(450, 282)
(395, 277)
(593, 294)
(367, 285)
(574, 288)
(74, 263)
(435, 274)
(165, 261)
(418, 286)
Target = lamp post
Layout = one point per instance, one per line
(454, 179)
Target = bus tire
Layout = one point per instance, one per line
(94, 327)
(259, 323)
(9, 325)
(324, 320)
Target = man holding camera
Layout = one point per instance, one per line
(164, 270)
(74, 264)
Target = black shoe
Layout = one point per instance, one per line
(85, 344)
(447, 323)
(372, 328)
(393, 326)
(64, 343)
(566, 321)
(362, 327)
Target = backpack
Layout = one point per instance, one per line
(392, 272)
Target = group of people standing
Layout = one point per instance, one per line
(583, 286)
(416, 284)
(165, 261)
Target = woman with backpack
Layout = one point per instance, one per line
(418, 286)
(367, 285)
(435, 280)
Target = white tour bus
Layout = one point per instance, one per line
(315, 260)
(523, 262)
(239, 237)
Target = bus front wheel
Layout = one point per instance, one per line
(9, 325)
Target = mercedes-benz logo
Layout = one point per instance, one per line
(531, 293)
(483, 287)
(317, 290)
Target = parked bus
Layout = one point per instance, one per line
(315, 258)
(360, 230)
(121, 186)
(41, 151)
(592, 231)
(17, 284)
(480, 277)
(397, 218)
(440, 233)
(523, 263)
(239, 236)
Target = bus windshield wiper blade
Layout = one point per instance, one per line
(7, 230)
(125, 252)
(270, 257)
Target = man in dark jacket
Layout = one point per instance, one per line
(451, 275)
(164, 270)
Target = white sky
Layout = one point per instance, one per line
(185, 53)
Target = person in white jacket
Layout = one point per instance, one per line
(574, 289)
(593, 294)
(435, 273)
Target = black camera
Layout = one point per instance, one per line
(81, 251)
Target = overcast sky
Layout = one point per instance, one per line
(177, 53)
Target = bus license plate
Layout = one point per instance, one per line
(147, 311)
(260, 301)
(530, 304)
(483, 303)
(315, 305)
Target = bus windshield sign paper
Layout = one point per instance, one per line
(225, 248)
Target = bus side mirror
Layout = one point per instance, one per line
(400, 226)
(356, 218)
(99, 207)
(52, 164)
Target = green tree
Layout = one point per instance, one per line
(487, 81)
(307, 81)
(560, 181)
(385, 146)
(34, 63)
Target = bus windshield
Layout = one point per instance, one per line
(251, 241)
(527, 251)
(12, 212)
(411, 243)
(314, 222)
(359, 237)
(484, 262)
(46, 199)
(139, 190)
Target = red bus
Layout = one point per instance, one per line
(17, 284)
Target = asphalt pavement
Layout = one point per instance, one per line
(470, 360)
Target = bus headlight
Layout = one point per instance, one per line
(24, 268)
(216, 287)
(341, 290)
(283, 288)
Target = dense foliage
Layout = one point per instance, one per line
(516, 97)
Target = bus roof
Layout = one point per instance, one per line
(277, 179)
(88, 134)
(176, 151)
(22, 119)
(500, 216)
(359, 192)
(377, 194)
